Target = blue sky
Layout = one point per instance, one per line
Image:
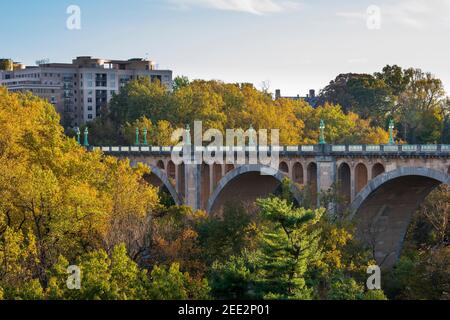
(294, 45)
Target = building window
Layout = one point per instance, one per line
(89, 108)
(89, 116)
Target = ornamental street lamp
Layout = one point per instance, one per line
(86, 134)
(391, 132)
(136, 142)
(78, 132)
(322, 132)
(145, 137)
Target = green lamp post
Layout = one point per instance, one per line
(322, 132)
(145, 137)
(86, 140)
(391, 132)
(136, 142)
(188, 135)
(78, 132)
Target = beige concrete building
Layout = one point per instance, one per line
(79, 90)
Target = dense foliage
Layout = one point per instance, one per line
(414, 99)
(144, 104)
(423, 271)
(61, 205)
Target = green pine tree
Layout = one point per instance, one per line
(289, 244)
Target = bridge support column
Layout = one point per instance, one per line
(326, 175)
(192, 187)
(352, 182)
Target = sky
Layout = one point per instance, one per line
(292, 45)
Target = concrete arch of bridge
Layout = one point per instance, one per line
(385, 206)
(164, 180)
(262, 179)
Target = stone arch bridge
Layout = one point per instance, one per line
(383, 184)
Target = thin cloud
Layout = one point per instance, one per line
(257, 7)
(352, 15)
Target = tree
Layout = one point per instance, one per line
(344, 288)
(421, 108)
(174, 239)
(161, 135)
(224, 106)
(235, 279)
(363, 94)
(171, 284)
(141, 97)
(129, 130)
(420, 275)
(53, 191)
(6, 64)
(180, 82)
(423, 269)
(117, 277)
(289, 246)
(231, 233)
(395, 78)
(341, 128)
(18, 258)
(413, 98)
(435, 212)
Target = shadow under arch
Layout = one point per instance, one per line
(164, 178)
(384, 208)
(256, 170)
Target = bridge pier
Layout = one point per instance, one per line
(192, 173)
(326, 175)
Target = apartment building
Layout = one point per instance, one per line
(79, 90)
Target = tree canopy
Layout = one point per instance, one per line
(416, 100)
(222, 106)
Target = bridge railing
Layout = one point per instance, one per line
(404, 149)
(326, 149)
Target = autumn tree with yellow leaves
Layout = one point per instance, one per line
(145, 104)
